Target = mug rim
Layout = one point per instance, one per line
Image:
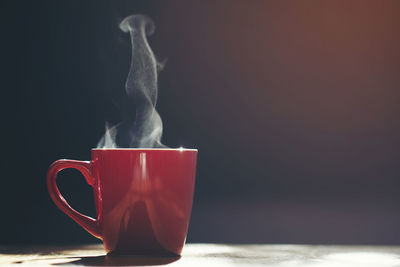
(180, 149)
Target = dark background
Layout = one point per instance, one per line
(293, 106)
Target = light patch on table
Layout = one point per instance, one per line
(361, 259)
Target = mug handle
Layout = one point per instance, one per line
(89, 224)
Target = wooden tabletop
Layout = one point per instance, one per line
(210, 255)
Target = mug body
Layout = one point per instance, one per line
(144, 198)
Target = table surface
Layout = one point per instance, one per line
(210, 255)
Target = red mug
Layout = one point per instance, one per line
(143, 198)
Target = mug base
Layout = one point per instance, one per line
(112, 259)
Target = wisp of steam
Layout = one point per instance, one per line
(143, 128)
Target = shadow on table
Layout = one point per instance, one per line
(119, 260)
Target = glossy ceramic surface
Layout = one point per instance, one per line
(143, 198)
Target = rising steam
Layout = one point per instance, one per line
(143, 129)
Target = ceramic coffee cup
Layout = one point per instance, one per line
(143, 198)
